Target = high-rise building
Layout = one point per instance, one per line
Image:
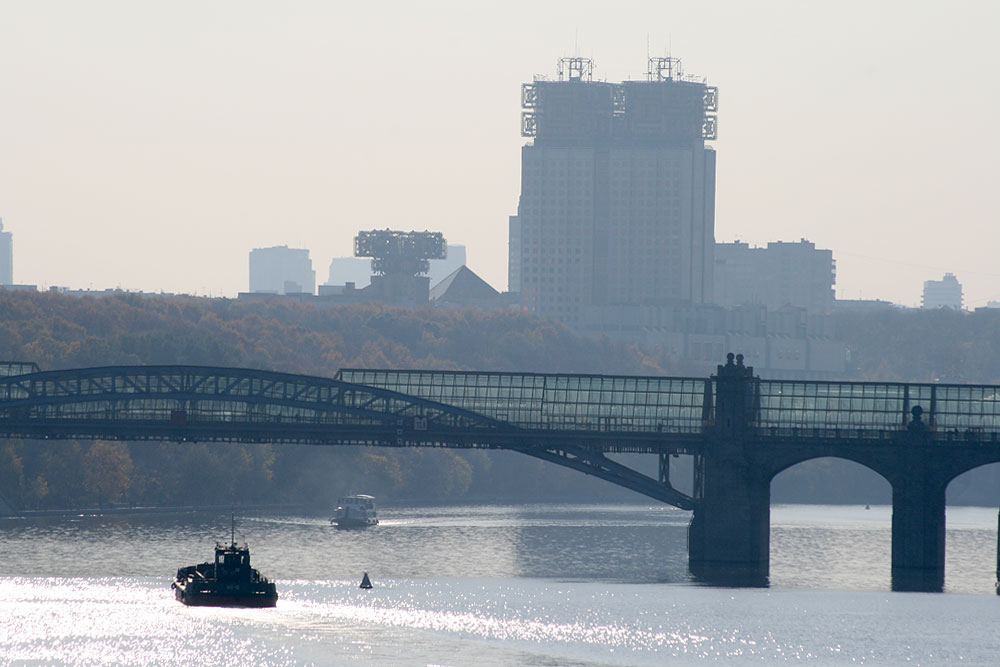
(281, 270)
(6, 256)
(514, 255)
(782, 274)
(944, 293)
(617, 198)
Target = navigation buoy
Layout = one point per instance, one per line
(365, 581)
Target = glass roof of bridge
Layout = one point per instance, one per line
(12, 368)
(564, 402)
(881, 406)
(677, 405)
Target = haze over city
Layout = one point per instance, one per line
(151, 147)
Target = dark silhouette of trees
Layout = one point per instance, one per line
(107, 470)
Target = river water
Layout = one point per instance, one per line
(492, 585)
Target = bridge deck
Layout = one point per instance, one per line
(652, 409)
(877, 406)
(542, 401)
(685, 405)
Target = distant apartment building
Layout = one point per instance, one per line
(944, 293)
(617, 200)
(614, 233)
(782, 274)
(6, 256)
(281, 270)
(356, 270)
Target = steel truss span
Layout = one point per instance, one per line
(564, 403)
(223, 404)
(210, 404)
(572, 420)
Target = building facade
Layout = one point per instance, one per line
(944, 293)
(782, 274)
(281, 270)
(6, 256)
(514, 255)
(617, 200)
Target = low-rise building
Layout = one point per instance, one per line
(944, 293)
(281, 270)
(782, 274)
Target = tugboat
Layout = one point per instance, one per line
(357, 511)
(228, 582)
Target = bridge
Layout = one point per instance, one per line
(741, 430)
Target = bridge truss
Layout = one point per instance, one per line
(572, 420)
(209, 404)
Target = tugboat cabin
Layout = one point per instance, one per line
(232, 562)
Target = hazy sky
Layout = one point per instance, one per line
(151, 145)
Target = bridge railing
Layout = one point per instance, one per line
(558, 402)
(877, 406)
(12, 368)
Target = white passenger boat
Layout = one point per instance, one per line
(356, 511)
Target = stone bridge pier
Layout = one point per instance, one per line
(729, 534)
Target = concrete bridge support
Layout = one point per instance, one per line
(729, 535)
(918, 535)
(918, 513)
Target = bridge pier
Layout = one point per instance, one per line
(917, 537)
(729, 535)
(918, 516)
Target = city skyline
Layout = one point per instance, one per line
(138, 137)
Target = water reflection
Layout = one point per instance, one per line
(812, 547)
(625, 543)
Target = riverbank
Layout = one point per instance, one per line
(181, 509)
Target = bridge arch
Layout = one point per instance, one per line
(973, 528)
(867, 484)
(977, 486)
(919, 479)
(842, 493)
